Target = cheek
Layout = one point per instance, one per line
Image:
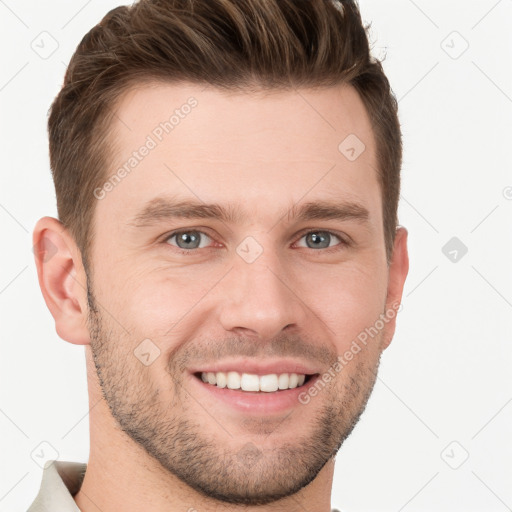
(158, 302)
(351, 302)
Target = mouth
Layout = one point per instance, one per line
(262, 388)
(253, 383)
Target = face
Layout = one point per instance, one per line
(242, 246)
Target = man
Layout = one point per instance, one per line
(227, 251)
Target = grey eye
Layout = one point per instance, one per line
(188, 239)
(319, 239)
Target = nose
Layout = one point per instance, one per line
(259, 299)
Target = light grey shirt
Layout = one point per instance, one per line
(61, 481)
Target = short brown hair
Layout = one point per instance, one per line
(232, 44)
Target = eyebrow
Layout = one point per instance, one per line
(161, 209)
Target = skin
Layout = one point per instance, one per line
(158, 441)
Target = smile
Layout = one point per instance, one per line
(250, 382)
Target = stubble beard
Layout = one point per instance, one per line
(227, 471)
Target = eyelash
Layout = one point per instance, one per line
(342, 244)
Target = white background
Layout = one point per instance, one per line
(444, 379)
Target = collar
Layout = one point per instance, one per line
(61, 481)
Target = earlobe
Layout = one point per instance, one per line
(62, 279)
(398, 270)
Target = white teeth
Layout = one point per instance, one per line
(283, 381)
(268, 383)
(233, 379)
(251, 382)
(222, 380)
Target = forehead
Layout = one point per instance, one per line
(203, 142)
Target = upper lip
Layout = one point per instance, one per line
(259, 367)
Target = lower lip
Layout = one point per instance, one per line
(256, 402)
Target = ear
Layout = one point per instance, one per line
(62, 279)
(398, 269)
